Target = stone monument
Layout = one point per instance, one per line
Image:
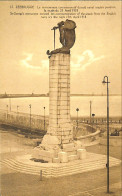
(58, 144)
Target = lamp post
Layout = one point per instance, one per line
(93, 115)
(77, 110)
(10, 103)
(17, 113)
(17, 109)
(7, 112)
(30, 115)
(44, 118)
(105, 80)
(90, 111)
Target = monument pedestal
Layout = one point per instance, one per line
(57, 144)
(59, 103)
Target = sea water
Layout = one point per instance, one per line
(98, 105)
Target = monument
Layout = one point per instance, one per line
(58, 144)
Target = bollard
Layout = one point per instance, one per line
(40, 175)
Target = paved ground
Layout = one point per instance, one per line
(90, 183)
(86, 184)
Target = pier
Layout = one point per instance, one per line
(5, 95)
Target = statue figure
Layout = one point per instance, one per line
(67, 36)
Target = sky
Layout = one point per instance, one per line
(24, 41)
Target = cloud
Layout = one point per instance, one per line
(45, 64)
(82, 61)
(85, 59)
(26, 62)
(29, 62)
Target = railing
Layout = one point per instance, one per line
(97, 120)
(23, 120)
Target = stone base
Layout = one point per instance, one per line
(54, 154)
(50, 140)
(26, 164)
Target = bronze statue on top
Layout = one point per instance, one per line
(67, 37)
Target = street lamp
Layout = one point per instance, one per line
(90, 110)
(105, 80)
(93, 115)
(10, 103)
(17, 109)
(77, 110)
(30, 115)
(7, 112)
(44, 118)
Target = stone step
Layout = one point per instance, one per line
(28, 171)
(17, 165)
(82, 169)
(89, 166)
(71, 172)
(25, 169)
(38, 167)
(15, 162)
(74, 163)
(76, 170)
(53, 172)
